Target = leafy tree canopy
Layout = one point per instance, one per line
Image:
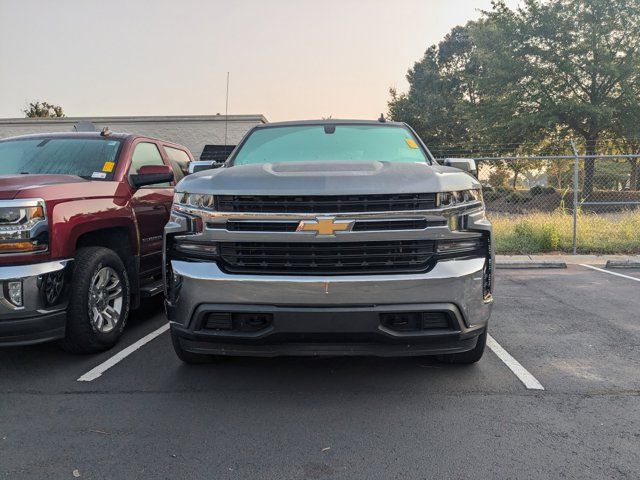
(509, 82)
(43, 110)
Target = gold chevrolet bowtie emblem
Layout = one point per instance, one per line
(325, 226)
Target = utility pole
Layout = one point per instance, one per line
(226, 112)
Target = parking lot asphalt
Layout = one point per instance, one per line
(577, 331)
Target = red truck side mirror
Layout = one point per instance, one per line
(152, 174)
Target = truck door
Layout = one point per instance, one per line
(151, 205)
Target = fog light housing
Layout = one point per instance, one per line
(14, 292)
(459, 246)
(202, 249)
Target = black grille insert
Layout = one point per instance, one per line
(327, 258)
(326, 203)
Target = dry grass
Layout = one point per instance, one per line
(553, 232)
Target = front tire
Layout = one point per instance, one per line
(466, 358)
(99, 301)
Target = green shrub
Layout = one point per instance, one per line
(504, 190)
(549, 238)
(516, 197)
(491, 195)
(540, 190)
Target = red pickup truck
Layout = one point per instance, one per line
(81, 221)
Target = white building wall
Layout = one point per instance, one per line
(194, 132)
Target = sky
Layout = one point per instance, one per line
(288, 59)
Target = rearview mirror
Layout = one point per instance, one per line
(201, 165)
(152, 174)
(464, 164)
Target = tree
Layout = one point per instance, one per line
(569, 62)
(514, 78)
(43, 110)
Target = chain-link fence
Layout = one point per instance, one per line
(584, 195)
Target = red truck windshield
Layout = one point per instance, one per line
(93, 158)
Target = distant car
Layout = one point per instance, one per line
(81, 221)
(330, 238)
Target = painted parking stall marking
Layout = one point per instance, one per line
(528, 380)
(121, 355)
(610, 273)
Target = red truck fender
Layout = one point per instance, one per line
(71, 220)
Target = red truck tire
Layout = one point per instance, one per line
(99, 301)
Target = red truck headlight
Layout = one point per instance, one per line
(23, 226)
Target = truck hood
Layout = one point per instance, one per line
(328, 178)
(51, 187)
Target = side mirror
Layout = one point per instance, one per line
(465, 164)
(201, 165)
(152, 174)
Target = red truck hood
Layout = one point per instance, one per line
(51, 187)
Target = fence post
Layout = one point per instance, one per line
(576, 181)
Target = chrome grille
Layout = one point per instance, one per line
(359, 225)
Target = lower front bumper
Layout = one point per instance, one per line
(327, 331)
(42, 315)
(195, 344)
(327, 315)
(28, 331)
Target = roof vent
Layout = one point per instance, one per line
(382, 119)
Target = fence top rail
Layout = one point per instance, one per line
(551, 157)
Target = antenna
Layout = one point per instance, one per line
(226, 112)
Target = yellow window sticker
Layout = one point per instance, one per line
(108, 167)
(411, 143)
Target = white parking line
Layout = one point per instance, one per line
(610, 273)
(121, 355)
(529, 381)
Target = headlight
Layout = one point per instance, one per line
(194, 200)
(20, 218)
(23, 226)
(450, 199)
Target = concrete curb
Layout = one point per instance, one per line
(622, 264)
(523, 264)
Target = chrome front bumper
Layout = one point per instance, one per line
(316, 305)
(40, 317)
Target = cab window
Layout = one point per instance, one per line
(146, 153)
(179, 160)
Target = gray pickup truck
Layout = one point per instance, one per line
(329, 238)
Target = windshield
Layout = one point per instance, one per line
(385, 143)
(93, 158)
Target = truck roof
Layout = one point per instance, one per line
(118, 136)
(112, 135)
(330, 121)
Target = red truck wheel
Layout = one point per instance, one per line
(98, 302)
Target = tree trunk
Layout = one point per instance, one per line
(515, 179)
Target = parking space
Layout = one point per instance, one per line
(577, 331)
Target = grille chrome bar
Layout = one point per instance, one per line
(359, 226)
